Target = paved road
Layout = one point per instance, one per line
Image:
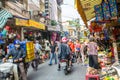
(46, 72)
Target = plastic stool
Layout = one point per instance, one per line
(92, 76)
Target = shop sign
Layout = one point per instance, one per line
(36, 24)
(98, 12)
(21, 22)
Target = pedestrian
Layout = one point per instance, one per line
(93, 53)
(53, 50)
(38, 52)
(77, 51)
(72, 48)
(71, 45)
(83, 52)
(47, 48)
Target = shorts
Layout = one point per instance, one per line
(78, 54)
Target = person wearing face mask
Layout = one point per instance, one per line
(18, 57)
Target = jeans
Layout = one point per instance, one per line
(93, 61)
(53, 56)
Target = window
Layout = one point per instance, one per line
(20, 1)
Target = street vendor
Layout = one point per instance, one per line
(93, 53)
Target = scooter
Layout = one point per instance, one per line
(64, 64)
(6, 72)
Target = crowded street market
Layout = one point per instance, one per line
(59, 40)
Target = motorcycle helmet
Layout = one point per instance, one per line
(64, 39)
(17, 43)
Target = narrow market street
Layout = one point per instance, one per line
(46, 72)
(83, 35)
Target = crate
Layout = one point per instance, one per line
(96, 77)
(30, 55)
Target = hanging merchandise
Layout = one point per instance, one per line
(106, 34)
(92, 24)
(113, 9)
(98, 12)
(94, 27)
(1, 35)
(5, 30)
(1, 41)
(118, 5)
(54, 36)
(106, 10)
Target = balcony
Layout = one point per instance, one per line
(17, 9)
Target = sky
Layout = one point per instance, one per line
(69, 12)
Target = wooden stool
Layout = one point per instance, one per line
(92, 76)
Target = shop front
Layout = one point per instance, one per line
(29, 29)
(54, 33)
(105, 29)
(34, 31)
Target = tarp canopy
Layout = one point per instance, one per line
(86, 9)
(4, 15)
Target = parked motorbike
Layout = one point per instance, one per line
(65, 66)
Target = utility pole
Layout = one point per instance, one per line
(78, 27)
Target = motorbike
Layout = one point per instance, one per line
(6, 72)
(65, 66)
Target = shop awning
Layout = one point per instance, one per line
(4, 15)
(35, 24)
(86, 9)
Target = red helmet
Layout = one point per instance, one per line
(64, 39)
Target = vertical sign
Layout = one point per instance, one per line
(47, 7)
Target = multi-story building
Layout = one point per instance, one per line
(24, 13)
(59, 2)
(54, 10)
